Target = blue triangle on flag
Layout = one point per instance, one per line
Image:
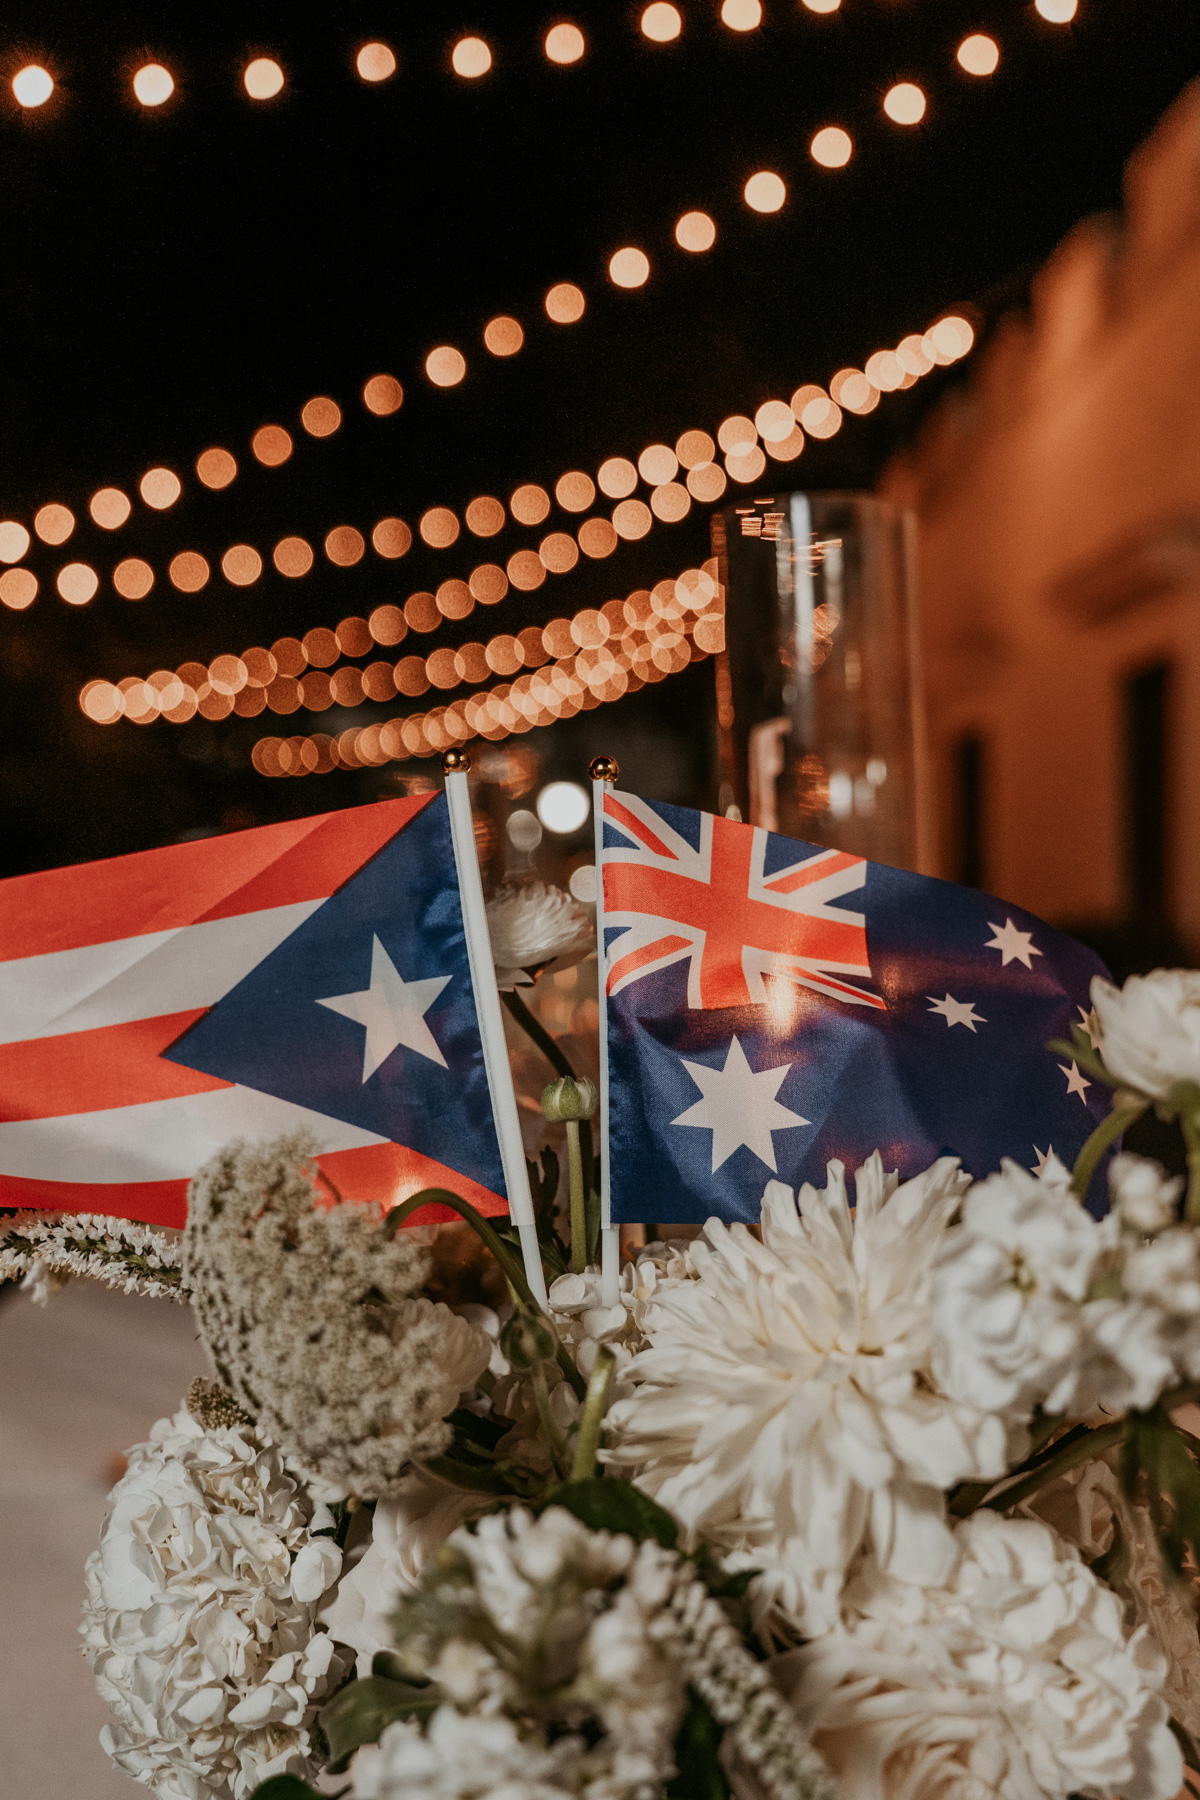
(366, 1012)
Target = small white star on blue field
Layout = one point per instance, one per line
(739, 1107)
(956, 1012)
(1090, 1024)
(1013, 945)
(1076, 1084)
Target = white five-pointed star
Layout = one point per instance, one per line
(392, 1010)
(1044, 1157)
(739, 1107)
(1075, 1081)
(1089, 1023)
(957, 1012)
(1012, 944)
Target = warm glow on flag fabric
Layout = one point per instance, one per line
(304, 976)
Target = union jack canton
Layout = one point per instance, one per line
(773, 1004)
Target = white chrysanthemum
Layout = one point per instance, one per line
(406, 1529)
(463, 1758)
(199, 1621)
(786, 1410)
(1036, 1304)
(1150, 1028)
(533, 926)
(1013, 1681)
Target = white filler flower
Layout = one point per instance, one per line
(199, 1617)
(787, 1411)
(1150, 1028)
(533, 926)
(464, 1758)
(1014, 1680)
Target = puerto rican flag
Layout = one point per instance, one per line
(311, 975)
(774, 1004)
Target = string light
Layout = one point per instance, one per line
(470, 58)
(32, 86)
(445, 366)
(904, 104)
(564, 43)
(695, 232)
(263, 78)
(831, 147)
(661, 23)
(376, 62)
(741, 15)
(1057, 12)
(765, 192)
(629, 268)
(979, 55)
(153, 85)
(565, 303)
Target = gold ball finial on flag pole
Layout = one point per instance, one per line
(604, 768)
(456, 761)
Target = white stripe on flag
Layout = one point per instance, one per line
(138, 977)
(160, 1140)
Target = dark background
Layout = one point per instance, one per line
(174, 278)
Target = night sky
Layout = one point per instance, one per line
(174, 279)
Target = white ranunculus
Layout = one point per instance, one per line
(1013, 1680)
(199, 1621)
(407, 1527)
(787, 1410)
(1150, 1028)
(533, 926)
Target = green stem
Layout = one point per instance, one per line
(1093, 1443)
(1189, 1123)
(1106, 1133)
(554, 1437)
(587, 1444)
(537, 1031)
(514, 1273)
(578, 1213)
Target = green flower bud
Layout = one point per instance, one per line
(570, 1097)
(527, 1340)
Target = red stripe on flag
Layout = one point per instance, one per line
(91, 1071)
(384, 1172)
(649, 953)
(815, 869)
(621, 815)
(182, 884)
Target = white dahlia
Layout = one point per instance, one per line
(200, 1617)
(1150, 1028)
(787, 1411)
(1013, 1680)
(533, 926)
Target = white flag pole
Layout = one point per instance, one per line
(455, 764)
(605, 774)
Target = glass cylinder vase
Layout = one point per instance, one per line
(818, 689)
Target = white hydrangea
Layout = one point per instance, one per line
(1014, 1680)
(1038, 1304)
(787, 1410)
(533, 926)
(1150, 1028)
(199, 1621)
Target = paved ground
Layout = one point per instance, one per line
(79, 1381)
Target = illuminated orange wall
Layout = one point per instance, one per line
(1059, 506)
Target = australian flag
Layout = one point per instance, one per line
(773, 1004)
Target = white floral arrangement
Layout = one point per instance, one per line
(892, 1498)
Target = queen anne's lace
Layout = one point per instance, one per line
(200, 1615)
(47, 1249)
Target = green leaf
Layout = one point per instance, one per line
(474, 1477)
(470, 1427)
(700, 1775)
(605, 1503)
(287, 1787)
(389, 1665)
(360, 1713)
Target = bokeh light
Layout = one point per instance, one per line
(321, 416)
(489, 584)
(904, 104)
(831, 147)
(160, 488)
(503, 336)
(952, 336)
(741, 15)
(1057, 12)
(391, 538)
(376, 62)
(629, 268)
(445, 366)
(564, 43)
(616, 477)
(575, 491)
(632, 519)
(885, 371)
(454, 600)
(565, 303)
(661, 23)
(694, 448)
(14, 541)
(529, 504)
(241, 565)
(471, 58)
(765, 192)
(774, 421)
(77, 583)
(32, 86)
(745, 466)
(559, 552)
(439, 527)
(822, 6)
(526, 570)
(597, 537)
(54, 524)
(18, 588)
(101, 702)
(383, 395)
(216, 468)
(344, 546)
(485, 516)
(293, 557)
(133, 578)
(564, 807)
(737, 435)
(153, 85)
(696, 232)
(272, 445)
(189, 571)
(851, 389)
(657, 463)
(979, 54)
(263, 78)
(670, 502)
